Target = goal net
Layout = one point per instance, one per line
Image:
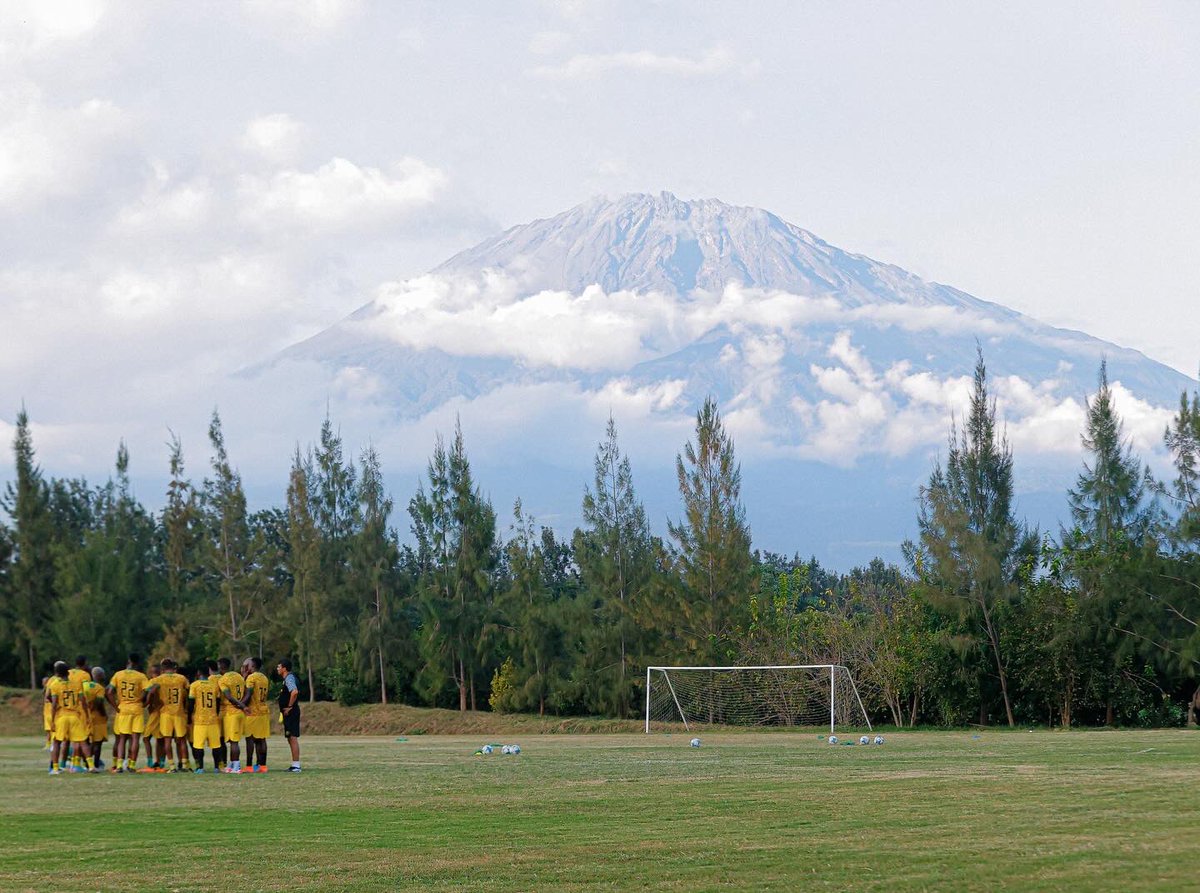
(816, 695)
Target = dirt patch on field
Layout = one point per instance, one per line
(21, 714)
(20, 711)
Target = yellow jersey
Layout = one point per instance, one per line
(234, 684)
(258, 697)
(173, 691)
(129, 686)
(206, 693)
(77, 674)
(153, 698)
(93, 698)
(69, 695)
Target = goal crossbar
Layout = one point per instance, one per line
(832, 668)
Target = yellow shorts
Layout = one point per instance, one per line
(258, 726)
(233, 724)
(70, 727)
(151, 730)
(206, 735)
(48, 718)
(99, 729)
(172, 725)
(129, 724)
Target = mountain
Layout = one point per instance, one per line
(836, 372)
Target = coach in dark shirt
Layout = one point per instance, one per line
(289, 695)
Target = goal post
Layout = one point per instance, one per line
(799, 695)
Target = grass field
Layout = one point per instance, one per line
(1112, 810)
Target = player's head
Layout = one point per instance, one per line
(45, 679)
(168, 665)
(211, 667)
(81, 662)
(60, 668)
(135, 661)
(255, 664)
(98, 674)
(155, 670)
(223, 665)
(283, 667)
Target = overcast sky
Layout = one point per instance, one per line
(187, 188)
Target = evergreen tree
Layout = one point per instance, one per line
(713, 540)
(615, 556)
(233, 552)
(533, 624)
(971, 546)
(31, 596)
(112, 593)
(1182, 439)
(374, 560)
(455, 529)
(1108, 506)
(1108, 500)
(333, 492)
(304, 564)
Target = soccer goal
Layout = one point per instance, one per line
(814, 695)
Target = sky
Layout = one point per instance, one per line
(186, 189)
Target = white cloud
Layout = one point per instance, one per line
(339, 195)
(165, 206)
(34, 27)
(716, 60)
(545, 43)
(305, 16)
(275, 137)
(49, 152)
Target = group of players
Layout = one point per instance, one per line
(164, 710)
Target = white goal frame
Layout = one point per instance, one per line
(832, 668)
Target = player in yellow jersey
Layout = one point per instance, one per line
(205, 695)
(152, 738)
(258, 715)
(172, 690)
(127, 695)
(94, 699)
(81, 672)
(233, 712)
(47, 713)
(70, 723)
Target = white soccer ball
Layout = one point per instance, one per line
(506, 750)
(514, 748)
(695, 742)
(879, 739)
(864, 740)
(487, 748)
(833, 739)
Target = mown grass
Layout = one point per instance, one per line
(928, 810)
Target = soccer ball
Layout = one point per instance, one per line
(864, 740)
(487, 748)
(506, 750)
(695, 742)
(879, 739)
(514, 748)
(833, 739)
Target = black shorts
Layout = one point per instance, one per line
(291, 723)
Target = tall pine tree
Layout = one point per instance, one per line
(455, 530)
(31, 594)
(616, 563)
(971, 545)
(713, 540)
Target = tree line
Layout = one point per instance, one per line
(988, 620)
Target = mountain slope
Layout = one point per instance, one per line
(643, 305)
